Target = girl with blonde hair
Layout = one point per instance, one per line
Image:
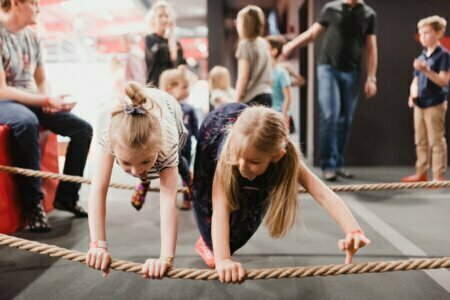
(144, 137)
(162, 51)
(247, 168)
(220, 87)
(254, 80)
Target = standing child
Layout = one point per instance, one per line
(175, 82)
(281, 85)
(246, 167)
(254, 82)
(220, 88)
(144, 138)
(428, 97)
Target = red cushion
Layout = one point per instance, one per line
(10, 207)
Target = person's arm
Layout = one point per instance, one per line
(303, 39)
(337, 209)
(242, 78)
(441, 79)
(287, 103)
(157, 268)
(413, 92)
(172, 42)
(41, 81)
(98, 258)
(229, 271)
(371, 58)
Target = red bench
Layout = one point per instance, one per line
(11, 216)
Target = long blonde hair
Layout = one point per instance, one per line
(264, 129)
(219, 78)
(135, 124)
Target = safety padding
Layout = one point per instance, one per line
(11, 215)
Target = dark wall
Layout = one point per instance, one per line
(382, 132)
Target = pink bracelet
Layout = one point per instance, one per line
(99, 244)
(357, 231)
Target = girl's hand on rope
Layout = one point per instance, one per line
(230, 271)
(156, 268)
(352, 242)
(98, 258)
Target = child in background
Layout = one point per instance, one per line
(220, 87)
(144, 138)
(175, 82)
(246, 167)
(428, 96)
(281, 84)
(254, 82)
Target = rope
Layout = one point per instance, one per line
(204, 274)
(335, 188)
(69, 178)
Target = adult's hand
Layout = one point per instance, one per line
(370, 89)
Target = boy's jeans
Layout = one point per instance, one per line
(338, 95)
(429, 126)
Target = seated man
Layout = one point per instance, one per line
(26, 104)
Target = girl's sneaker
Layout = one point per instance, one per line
(138, 198)
(205, 253)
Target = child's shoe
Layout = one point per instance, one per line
(138, 198)
(415, 178)
(205, 253)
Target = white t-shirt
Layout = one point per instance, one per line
(173, 132)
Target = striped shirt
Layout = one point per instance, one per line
(173, 133)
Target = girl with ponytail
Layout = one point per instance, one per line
(247, 169)
(144, 137)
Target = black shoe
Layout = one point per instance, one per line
(329, 175)
(77, 210)
(344, 174)
(37, 219)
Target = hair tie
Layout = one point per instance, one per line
(134, 110)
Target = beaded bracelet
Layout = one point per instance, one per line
(168, 259)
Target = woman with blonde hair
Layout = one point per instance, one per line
(144, 137)
(247, 169)
(162, 51)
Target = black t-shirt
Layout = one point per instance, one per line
(157, 57)
(346, 30)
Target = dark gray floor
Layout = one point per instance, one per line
(400, 224)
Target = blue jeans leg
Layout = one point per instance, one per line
(25, 147)
(80, 134)
(349, 83)
(329, 104)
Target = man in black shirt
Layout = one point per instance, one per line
(349, 27)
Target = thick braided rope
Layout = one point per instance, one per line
(68, 178)
(204, 274)
(335, 188)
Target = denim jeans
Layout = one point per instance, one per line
(24, 122)
(338, 94)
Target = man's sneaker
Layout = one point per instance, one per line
(329, 175)
(415, 178)
(37, 219)
(77, 210)
(205, 253)
(344, 174)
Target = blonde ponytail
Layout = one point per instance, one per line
(135, 124)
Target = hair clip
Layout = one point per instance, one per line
(132, 110)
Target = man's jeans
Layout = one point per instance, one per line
(338, 95)
(24, 122)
